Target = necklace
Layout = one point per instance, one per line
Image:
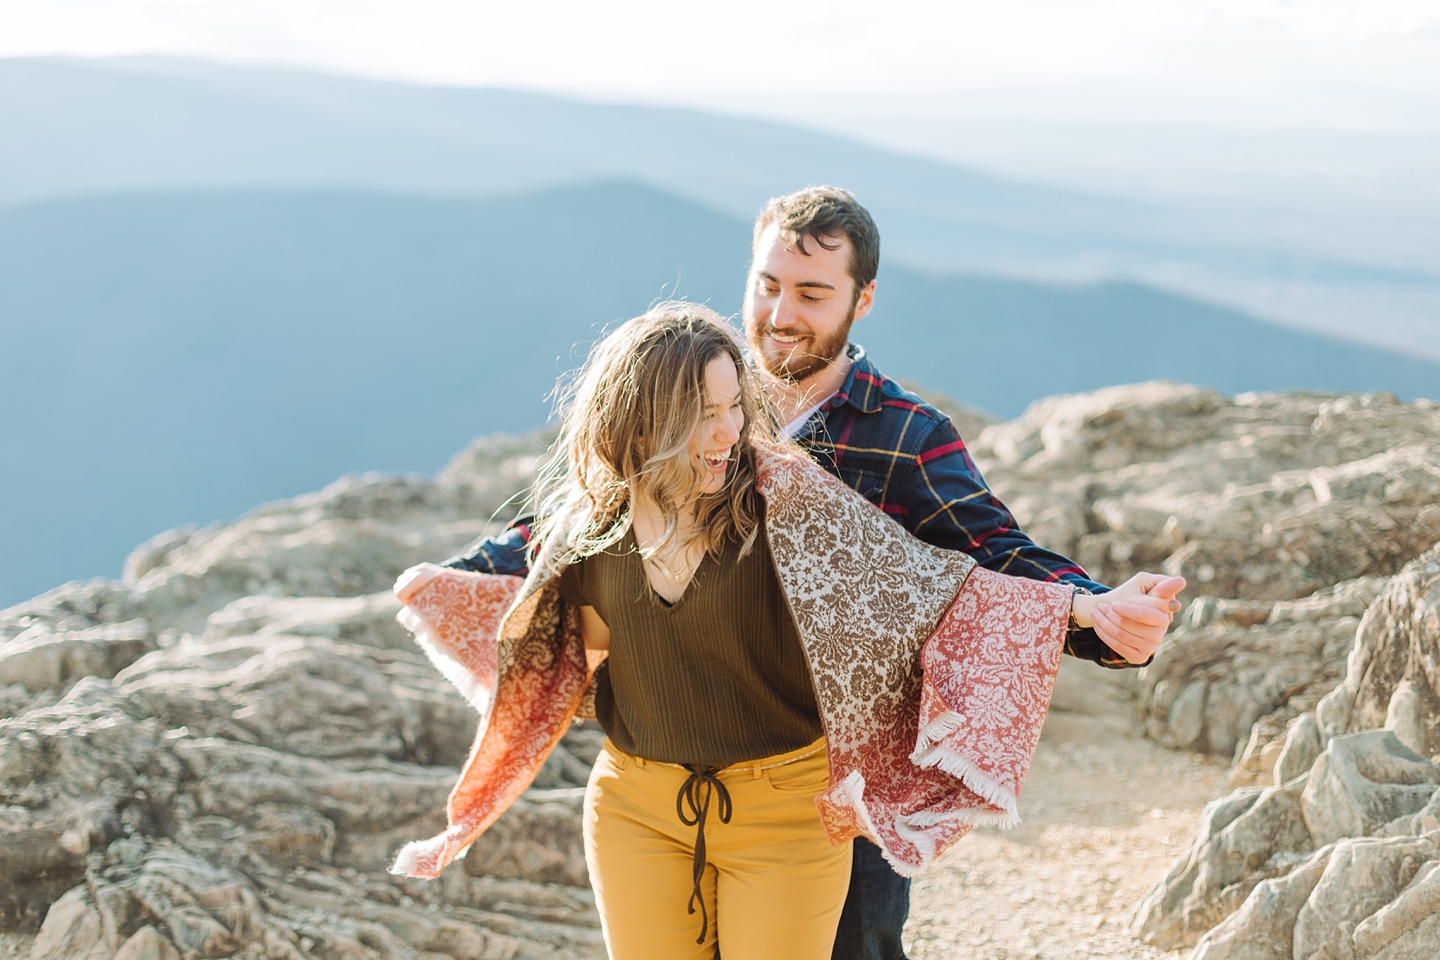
(677, 574)
(670, 573)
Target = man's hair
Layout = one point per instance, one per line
(821, 214)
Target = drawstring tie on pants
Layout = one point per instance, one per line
(701, 779)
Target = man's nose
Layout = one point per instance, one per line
(784, 313)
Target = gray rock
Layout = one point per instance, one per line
(1231, 871)
(1255, 498)
(1408, 715)
(1362, 782)
(236, 779)
(74, 606)
(367, 620)
(1236, 675)
(306, 696)
(1407, 925)
(1285, 512)
(1393, 672)
(1425, 820)
(147, 944)
(1245, 838)
(1361, 876)
(1421, 942)
(1264, 926)
(221, 756)
(71, 931)
(538, 838)
(1302, 746)
(39, 658)
(1374, 799)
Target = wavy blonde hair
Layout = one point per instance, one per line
(626, 419)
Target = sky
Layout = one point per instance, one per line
(660, 49)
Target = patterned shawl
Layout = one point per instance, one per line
(932, 675)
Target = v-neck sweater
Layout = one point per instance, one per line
(716, 678)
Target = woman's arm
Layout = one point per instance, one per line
(594, 630)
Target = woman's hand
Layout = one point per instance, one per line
(1132, 619)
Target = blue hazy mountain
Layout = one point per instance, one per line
(84, 126)
(180, 357)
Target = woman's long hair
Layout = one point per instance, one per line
(626, 419)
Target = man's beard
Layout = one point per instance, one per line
(806, 359)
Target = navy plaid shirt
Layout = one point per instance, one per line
(904, 456)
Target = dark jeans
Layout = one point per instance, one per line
(875, 909)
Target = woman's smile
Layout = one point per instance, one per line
(717, 461)
(713, 443)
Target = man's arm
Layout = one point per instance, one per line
(949, 504)
(503, 553)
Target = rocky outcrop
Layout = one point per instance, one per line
(1294, 518)
(1285, 513)
(219, 755)
(1393, 673)
(1254, 497)
(1237, 672)
(1340, 858)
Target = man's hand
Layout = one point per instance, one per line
(1132, 619)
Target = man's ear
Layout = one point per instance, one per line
(866, 300)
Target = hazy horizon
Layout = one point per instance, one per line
(1347, 192)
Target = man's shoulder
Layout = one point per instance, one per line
(897, 397)
(890, 398)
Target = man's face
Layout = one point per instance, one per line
(799, 307)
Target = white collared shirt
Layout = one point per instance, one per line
(790, 429)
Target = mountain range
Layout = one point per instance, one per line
(176, 357)
(80, 126)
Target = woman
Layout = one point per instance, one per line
(761, 628)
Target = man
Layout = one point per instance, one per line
(815, 256)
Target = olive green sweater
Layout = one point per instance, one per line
(717, 678)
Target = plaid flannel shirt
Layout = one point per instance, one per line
(904, 456)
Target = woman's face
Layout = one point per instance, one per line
(713, 444)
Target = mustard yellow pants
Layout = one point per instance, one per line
(772, 885)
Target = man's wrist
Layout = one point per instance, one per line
(1082, 610)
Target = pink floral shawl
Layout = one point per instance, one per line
(932, 675)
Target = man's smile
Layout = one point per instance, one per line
(785, 338)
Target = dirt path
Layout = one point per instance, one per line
(1105, 811)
